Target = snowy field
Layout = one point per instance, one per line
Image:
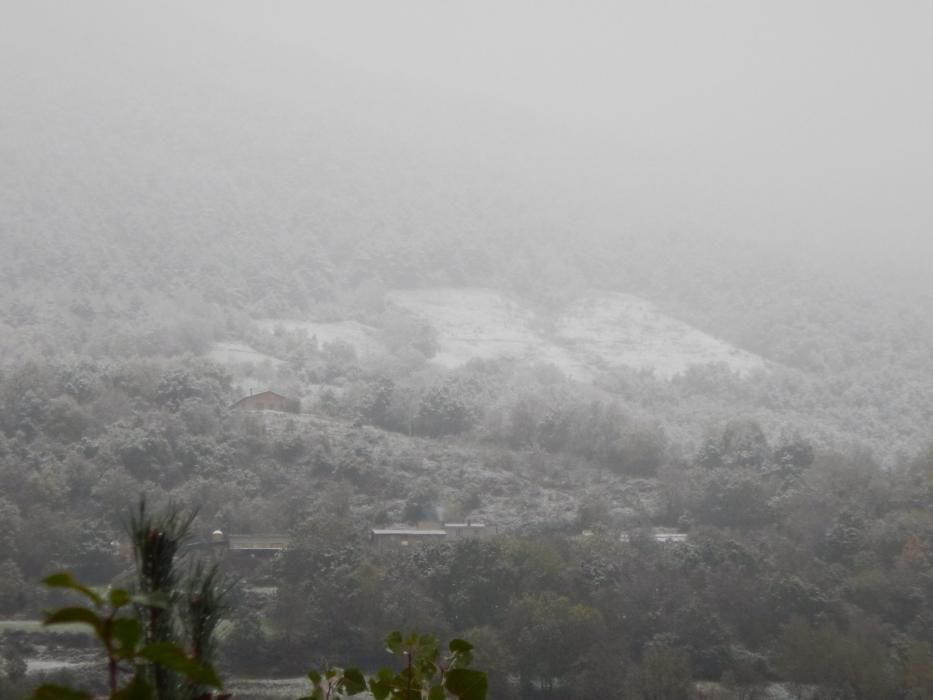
(240, 354)
(596, 332)
(362, 337)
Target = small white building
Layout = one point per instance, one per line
(469, 529)
(404, 537)
(431, 531)
(663, 536)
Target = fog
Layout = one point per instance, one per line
(597, 334)
(802, 126)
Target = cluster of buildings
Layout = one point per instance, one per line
(266, 546)
(428, 533)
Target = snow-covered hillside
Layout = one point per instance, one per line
(595, 332)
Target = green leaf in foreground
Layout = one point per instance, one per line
(466, 684)
(394, 643)
(64, 579)
(460, 646)
(174, 658)
(353, 681)
(68, 616)
(128, 632)
(381, 685)
(118, 598)
(58, 692)
(138, 689)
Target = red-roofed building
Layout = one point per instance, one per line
(267, 401)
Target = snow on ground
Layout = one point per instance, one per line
(269, 688)
(44, 665)
(362, 337)
(596, 332)
(621, 329)
(481, 323)
(239, 353)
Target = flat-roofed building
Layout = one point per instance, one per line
(264, 545)
(469, 529)
(405, 537)
(662, 536)
(267, 401)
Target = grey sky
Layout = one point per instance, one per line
(800, 121)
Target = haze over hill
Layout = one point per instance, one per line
(175, 173)
(488, 120)
(713, 219)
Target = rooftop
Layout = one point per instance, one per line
(276, 542)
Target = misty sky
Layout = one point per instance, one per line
(800, 121)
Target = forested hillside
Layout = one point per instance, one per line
(803, 488)
(530, 283)
(802, 565)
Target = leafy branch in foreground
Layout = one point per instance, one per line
(122, 634)
(158, 638)
(426, 674)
